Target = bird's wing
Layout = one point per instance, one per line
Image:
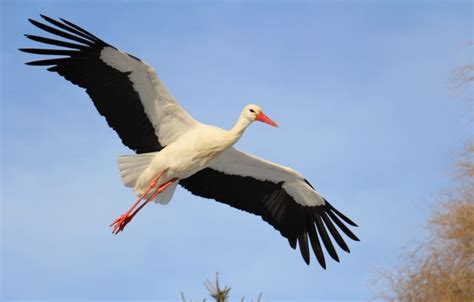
(280, 195)
(124, 89)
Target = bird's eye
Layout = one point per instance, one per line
(251, 110)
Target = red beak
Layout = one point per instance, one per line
(263, 118)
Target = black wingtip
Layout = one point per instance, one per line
(46, 18)
(342, 226)
(306, 261)
(316, 245)
(33, 21)
(304, 248)
(36, 23)
(292, 242)
(352, 223)
(335, 234)
(325, 237)
(345, 249)
(342, 216)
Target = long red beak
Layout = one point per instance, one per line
(263, 118)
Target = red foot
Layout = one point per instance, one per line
(120, 223)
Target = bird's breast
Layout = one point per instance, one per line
(195, 150)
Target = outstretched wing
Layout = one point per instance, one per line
(124, 89)
(280, 195)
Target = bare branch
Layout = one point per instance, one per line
(442, 267)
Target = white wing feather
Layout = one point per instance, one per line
(168, 118)
(235, 162)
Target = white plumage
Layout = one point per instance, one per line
(174, 148)
(166, 115)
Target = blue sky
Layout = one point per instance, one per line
(360, 90)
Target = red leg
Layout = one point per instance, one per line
(158, 191)
(122, 221)
(117, 222)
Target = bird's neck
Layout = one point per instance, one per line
(236, 132)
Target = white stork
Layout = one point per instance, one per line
(174, 148)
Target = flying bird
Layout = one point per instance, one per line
(173, 148)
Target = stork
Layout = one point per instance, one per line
(173, 148)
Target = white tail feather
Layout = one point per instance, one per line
(132, 166)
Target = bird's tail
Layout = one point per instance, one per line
(132, 166)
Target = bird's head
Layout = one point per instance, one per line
(254, 113)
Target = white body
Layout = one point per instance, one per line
(190, 153)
